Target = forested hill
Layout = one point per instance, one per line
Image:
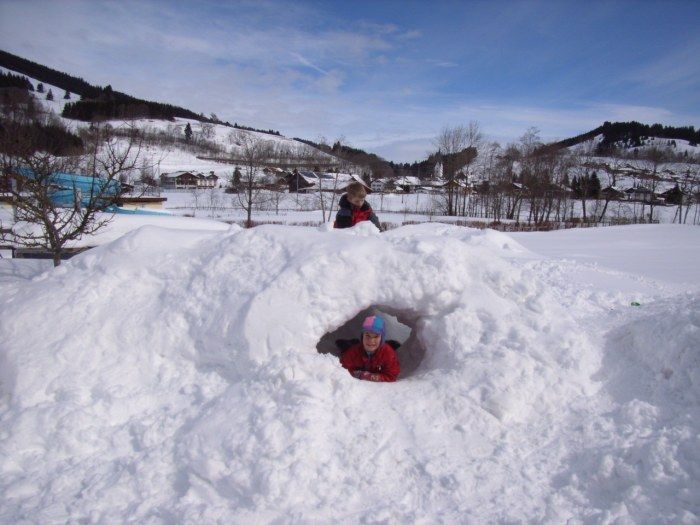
(103, 102)
(379, 166)
(630, 134)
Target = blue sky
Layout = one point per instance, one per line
(384, 76)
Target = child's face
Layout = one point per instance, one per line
(356, 200)
(371, 341)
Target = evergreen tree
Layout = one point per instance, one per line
(236, 180)
(594, 186)
(188, 132)
(10, 80)
(674, 196)
(108, 92)
(576, 187)
(67, 95)
(49, 95)
(40, 88)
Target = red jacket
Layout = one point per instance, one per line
(383, 364)
(349, 215)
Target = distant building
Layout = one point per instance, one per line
(188, 180)
(408, 184)
(612, 193)
(677, 196)
(301, 181)
(208, 181)
(640, 194)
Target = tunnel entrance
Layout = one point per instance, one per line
(400, 326)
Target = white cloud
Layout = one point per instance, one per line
(293, 68)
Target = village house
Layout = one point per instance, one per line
(274, 175)
(408, 184)
(377, 185)
(208, 181)
(640, 194)
(310, 181)
(677, 196)
(188, 180)
(302, 181)
(611, 193)
(458, 185)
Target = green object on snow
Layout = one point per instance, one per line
(635, 303)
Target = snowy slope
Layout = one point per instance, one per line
(173, 376)
(168, 159)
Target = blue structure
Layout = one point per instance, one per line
(126, 211)
(64, 188)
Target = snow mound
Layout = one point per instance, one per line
(641, 462)
(183, 378)
(663, 344)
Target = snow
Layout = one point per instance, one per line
(172, 375)
(663, 253)
(180, 371)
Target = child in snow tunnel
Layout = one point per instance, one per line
(373, 358)
(353, 208)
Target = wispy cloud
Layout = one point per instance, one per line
(678, 69)
(441, 63)
(308, 63)
(386, 81)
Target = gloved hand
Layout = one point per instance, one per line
(394, 344)
(362, 374)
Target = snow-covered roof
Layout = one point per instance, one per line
(408, 181)
(176, 174)
(308, 176)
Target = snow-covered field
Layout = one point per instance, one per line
(180, 375)
(394, 208)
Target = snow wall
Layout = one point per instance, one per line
(175, 377)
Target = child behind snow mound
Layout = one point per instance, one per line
(352, 208)
(372, 359)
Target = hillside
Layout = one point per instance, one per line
(101, 102)
(629, 135)
(166, 142)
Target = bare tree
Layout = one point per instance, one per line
(611, 171)
(196, 194)
(654, 157)
(688, 189)
(457, 148)
(206, 131)
(319, 155)
(252, 153)
(55, 203)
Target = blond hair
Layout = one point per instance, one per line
(356, 189)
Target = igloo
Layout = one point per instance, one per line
(400, 326)
(209, 390)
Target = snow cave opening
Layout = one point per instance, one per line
(400, 326)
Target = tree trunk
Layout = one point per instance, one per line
(249, 207)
